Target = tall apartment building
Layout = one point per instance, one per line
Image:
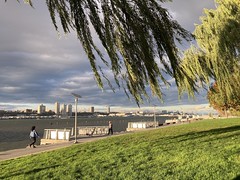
(64, 109)
(57, 108)
(41, 109)
(108, 109)
(69, 110)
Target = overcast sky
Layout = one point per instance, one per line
(39, 66)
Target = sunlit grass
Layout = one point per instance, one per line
(208, 149)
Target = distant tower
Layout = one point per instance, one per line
(63, 109)
(57, 108)
(41, 109)
(92, 109)
(108, 109)
(69, 110)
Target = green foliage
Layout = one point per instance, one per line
(218, 54)
(224, 106)
(206, 149)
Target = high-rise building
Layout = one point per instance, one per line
(108, 109)
(92, 109)
(41, 109)
(69, 110)
(57, 108)
(63, 109)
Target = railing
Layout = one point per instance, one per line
(92, 130)
(55, 135)
(141, 125)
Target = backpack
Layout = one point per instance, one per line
(32, 134)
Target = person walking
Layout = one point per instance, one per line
(33, 136)
(110, 128)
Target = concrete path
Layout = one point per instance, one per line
(16, 153)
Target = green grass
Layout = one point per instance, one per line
(208, 149)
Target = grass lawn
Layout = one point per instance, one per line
(207, 149)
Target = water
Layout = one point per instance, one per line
(14, 134)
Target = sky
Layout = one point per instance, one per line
(40, 66)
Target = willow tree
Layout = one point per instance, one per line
(217, 56)
(136, 36)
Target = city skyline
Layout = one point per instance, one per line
(40, 66)
(201, 109)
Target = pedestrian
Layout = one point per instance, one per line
(33, 136)
(110, 128)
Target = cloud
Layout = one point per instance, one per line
(187, 12)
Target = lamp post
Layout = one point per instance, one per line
(154, 107)
(76, 102)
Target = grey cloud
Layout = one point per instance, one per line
(187, 12)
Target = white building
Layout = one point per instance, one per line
(69, 110)
(41, 109)
(57, 108)
(64, 109)
(108, 109)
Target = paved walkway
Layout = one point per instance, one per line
(16, 153)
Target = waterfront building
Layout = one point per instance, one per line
(64, 110)
(92, 109)
(28, 110)
(41, 109)
(164, 111)
(57, 108)
(69, 110)
(108, 109)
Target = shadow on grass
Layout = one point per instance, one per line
(32, 171)
(200, 134)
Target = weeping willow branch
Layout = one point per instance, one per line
(134, 34)
(218, 53)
